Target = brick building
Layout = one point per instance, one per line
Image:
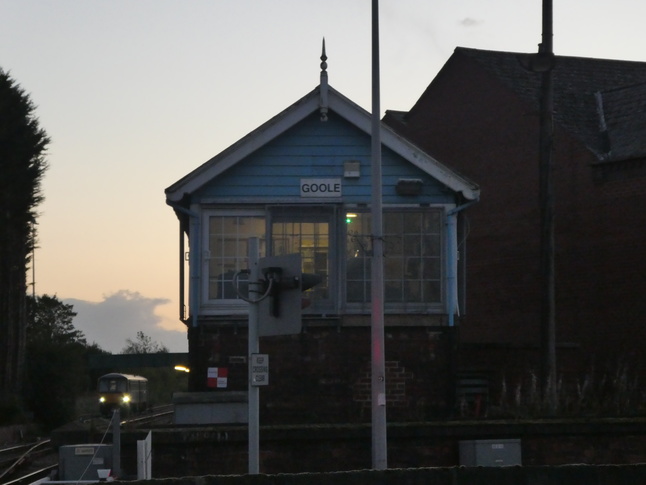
(301, 183)
(480, 115)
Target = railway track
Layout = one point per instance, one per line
(32, 476)
(28, 463)
(157, 415)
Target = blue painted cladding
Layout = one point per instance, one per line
(315, 149)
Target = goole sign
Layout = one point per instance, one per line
(320, 187)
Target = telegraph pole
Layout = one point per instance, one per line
(33, 261)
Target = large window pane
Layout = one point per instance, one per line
(413, 291)
(229, 250)
(394, 222)
(306, 232)
(358, 251)
(412, 222)
(412, 256)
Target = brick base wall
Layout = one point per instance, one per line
(332, 448)
(323, 374)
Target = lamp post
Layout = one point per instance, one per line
(378, 365)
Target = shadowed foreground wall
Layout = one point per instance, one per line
(580, 474)
(201, 451)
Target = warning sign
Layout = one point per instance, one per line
(217, 377)
(259, 369)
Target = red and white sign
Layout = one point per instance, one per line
(217, 377)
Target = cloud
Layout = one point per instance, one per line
(469, 22)
(111, 322)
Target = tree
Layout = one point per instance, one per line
(143, 345)
(51, 322)
(162, 381)
(22, 166)
(56, 370)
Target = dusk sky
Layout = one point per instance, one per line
(137, 93)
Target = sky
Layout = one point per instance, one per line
(135, 94)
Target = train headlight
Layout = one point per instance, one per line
(102, 399)
(126, 398)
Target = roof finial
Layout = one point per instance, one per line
(323, 57)
(323, 88)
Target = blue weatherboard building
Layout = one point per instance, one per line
(301, 183)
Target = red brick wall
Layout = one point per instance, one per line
(477, 126)
(323, 374)
(397, 380)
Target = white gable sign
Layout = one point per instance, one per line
(320, 187)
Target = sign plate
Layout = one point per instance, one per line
(259, 369)
(84, 450)
(321, 188)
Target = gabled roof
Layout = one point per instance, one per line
(586, 91)
(310, 103)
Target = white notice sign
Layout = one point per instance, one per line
(321, 188)
(259, 369)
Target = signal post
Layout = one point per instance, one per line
(275, 302)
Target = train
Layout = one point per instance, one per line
(128, 393)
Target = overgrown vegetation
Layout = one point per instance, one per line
(56, 365)
(614, 392)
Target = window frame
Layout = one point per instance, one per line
(314, 213)
(223, 305)
(336, 302)
(403, 307)
(269, 212)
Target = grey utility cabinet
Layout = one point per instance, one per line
(83, 462)
(505, 452)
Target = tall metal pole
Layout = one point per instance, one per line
(546, 196)
(379, 441)
(253, 346)
(116, 442)
(33, 261)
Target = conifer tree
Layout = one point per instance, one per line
(23, 145)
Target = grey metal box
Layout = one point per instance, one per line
(505, 452)
(81, 462)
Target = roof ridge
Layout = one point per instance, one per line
(474, 50)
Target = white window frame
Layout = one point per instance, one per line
(400, 307)
(337, 288)
(234, 306)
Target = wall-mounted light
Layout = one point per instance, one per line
(409, 186)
